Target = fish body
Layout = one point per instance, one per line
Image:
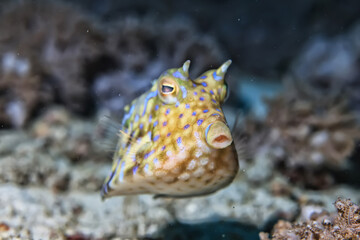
(174, 139)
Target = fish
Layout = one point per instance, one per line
(174, 140)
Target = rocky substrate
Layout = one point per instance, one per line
(51, 173)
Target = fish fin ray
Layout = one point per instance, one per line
(106, 133)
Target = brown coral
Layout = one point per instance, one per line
(343, 225)
(74, 57)
(21, 95)
(311, 134)
(329, 66)
(306, 139)
(43, 58)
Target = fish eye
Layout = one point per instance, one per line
(167, 89)
(167, 86)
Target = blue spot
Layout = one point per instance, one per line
(212, 92)
(181, 115)
(194, 85)
(156, 123)
(168, 135)
(218, 110)
(121, 176)
(184, 91)
(148, 97)
(156, 107)
(155, 160)
(135, 169)
(164, 123)
(104, 189)
(111, 175)
(187, 106)
(156, 137)
(136, 118)
(204, 84)
(203, 90)
(203, 77)
(207, 129)
(215, 114)
(177, 104)
(186, 126)
(194, 113)
(195, 93)
(149, 133)
(128, 149)
(141, 126)
(213, 100)
(201, 99)
(167, 111)
(148, 154)
(150, 118)
(205, 111)
(178, 74)
(146, 168)
(128, 115)
(178, 140)
(163, 148)
(199, 122)
(216, 77)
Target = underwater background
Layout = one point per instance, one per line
(294, 111)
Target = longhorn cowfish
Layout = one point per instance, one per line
(174, 140)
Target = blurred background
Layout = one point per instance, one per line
(295, 90)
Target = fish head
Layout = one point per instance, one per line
(205, 94)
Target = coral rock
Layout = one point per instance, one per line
(343, 225)
(305, 139)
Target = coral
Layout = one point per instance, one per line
(314, 135)
(43, 155)
(305, 139)
(322, 225)
(57, 54)
(262, 47)
(43, 58)
(329, 66)
(21, 96)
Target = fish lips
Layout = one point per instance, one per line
(218, 135)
